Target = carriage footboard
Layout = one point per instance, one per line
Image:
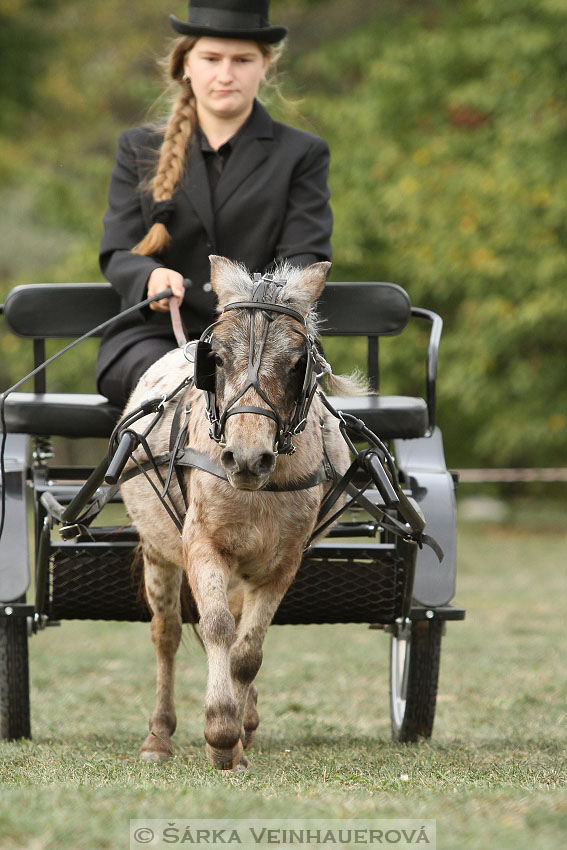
(336, 583)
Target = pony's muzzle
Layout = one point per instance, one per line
(248, 468)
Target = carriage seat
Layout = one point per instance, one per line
(47, 311)
(92, 415)
(388, 416)
(60, 414)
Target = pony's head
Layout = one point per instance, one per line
(257, 364)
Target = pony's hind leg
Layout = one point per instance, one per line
(162, 585)
(251, 719)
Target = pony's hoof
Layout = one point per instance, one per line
(154, 755)
(225, 759)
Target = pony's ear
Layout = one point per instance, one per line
(229, 280)
(221, 269)
(308, 286)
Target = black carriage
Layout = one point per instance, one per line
(362, 572)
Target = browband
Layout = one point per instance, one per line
(268, 306)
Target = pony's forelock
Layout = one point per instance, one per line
(233, 282)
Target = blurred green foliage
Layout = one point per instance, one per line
(447, 123)
(25, 47)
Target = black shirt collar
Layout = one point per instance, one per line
(226, 148)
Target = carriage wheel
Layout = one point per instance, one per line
(414, 673)
(14, 679)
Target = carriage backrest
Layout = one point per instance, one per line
(62, 310)
(59, 310)
(44, 311)
(363, 309)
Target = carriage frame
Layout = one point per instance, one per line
(359, 573)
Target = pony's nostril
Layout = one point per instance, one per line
(235, 461)
(265, 463)
(229, 461)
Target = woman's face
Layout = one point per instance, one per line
(225, 74)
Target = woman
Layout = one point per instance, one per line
(219, 178)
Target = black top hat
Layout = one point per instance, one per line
(246, 19)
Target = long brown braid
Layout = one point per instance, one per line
(173, 152)
(176, 143)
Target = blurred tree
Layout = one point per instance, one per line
(447, 130)
(25, 50)
(447, 124)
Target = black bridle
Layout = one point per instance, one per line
(264, 298)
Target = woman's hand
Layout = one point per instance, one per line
(161, 279)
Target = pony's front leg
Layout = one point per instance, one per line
(208, 575)
(258, 608)
(162, 586)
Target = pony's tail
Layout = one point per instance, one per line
(189, 609)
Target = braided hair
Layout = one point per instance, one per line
(173, 152)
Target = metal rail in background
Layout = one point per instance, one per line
(512, 475)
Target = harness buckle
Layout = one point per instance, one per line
(68, 532)
(284, 444)
(190, 354)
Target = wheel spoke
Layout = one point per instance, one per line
(400, 651)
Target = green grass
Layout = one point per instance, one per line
(493, 775)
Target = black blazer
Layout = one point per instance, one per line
(271, 203)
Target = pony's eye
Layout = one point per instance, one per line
(218, 359)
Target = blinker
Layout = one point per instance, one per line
(205, 369)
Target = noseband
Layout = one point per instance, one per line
(264, 298)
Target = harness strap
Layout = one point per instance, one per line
(392, 524)
(152, 465)
(333, 495)
(177, 439)
(321, 476)
(250, 408)
(200, 460)
(265, 306)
